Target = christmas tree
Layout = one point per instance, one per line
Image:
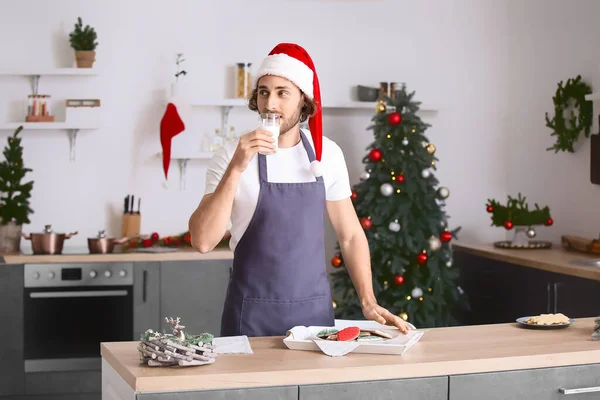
(14, 194)
(400, 208)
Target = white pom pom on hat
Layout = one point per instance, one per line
(292, 62)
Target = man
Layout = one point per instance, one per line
(276, 204)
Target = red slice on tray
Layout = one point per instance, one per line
(348, 334)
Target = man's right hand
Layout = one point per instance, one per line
(259, 140)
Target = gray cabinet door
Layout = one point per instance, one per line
(431, 388)
(146, 297)
(531, 384)
(195, 292)
(12, 367)
(267, 393)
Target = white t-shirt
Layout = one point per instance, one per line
(287, 165)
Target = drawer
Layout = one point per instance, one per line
(530, 384)
(433, 388)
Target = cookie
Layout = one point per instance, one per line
(348, 334)
(369, 338)
(326, 332)
(377, 332)
(548, 319)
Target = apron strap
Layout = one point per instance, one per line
(262, 160)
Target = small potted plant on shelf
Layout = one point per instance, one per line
(83, 41)
(14, 195)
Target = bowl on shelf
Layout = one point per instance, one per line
(365, 93)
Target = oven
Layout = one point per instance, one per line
(69, 309)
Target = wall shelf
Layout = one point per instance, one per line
(183, 158)
(35, 74)
(72, 130)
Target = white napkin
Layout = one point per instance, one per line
(232, 345)
(335, 348)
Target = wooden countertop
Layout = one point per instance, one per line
(555, 259)
(441, 351)
(179, 255)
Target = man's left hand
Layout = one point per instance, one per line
(375, 312)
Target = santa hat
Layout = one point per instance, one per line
(170, 126)
(292, 62)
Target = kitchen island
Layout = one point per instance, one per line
(500, 361)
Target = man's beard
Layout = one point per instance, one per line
(289, 123)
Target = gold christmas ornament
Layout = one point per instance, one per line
(380, 107)
(334, 304)
(430, 148)
(403, 315)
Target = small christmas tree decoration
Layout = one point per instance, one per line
(366, 223)
(177, 348)
(445, 237)
(516, 214)
(380, 107)
(336, 261)
(398, 280)
(422, 258)
(375, 155)
(15, 194)
(394, 118)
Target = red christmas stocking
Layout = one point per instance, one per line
(170, 126)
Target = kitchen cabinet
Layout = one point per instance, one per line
(432, 388)
(146, 297)
(532, 384)
(195, 292)
(501, 292)
(12, 371)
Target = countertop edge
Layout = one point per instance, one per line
(187, 255)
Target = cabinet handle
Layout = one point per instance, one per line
(580, 390)
(548, 300)
(144, 285)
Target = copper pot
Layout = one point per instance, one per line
(47, 242)
(102, 244)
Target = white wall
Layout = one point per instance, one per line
(490, 66)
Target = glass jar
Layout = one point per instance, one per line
(249, 79)
(241, 84)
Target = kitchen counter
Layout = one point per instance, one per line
(83, 256)
(555, 259)
(442, 352)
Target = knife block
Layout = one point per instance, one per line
(131, 225)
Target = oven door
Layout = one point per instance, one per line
(64, 326)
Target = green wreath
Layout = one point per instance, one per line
(575, 90)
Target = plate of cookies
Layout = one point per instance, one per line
(546, 321)
(348, 336)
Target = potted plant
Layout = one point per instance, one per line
(83, 41)
(14, 195)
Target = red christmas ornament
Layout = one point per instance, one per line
(354, 195)
(154, 236)
(422, 258)
(508, 225)
(147, 242)
(375, 155)
(167, 240)
(187, 238)
(394, 118)
(366, 223)
(490, 209)
(398, 280)
(336, 261)
(549, 222)
(400, 178)
(446, 236)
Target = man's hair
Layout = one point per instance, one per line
(308, 110)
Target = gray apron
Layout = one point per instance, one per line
(279, 277)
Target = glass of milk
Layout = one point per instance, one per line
(270, 122)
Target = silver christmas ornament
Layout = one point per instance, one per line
(449, 264)
(394, 226)
(425, 173)
(417, 292)
(531, 233)
(443, 192)
(364, 176)
(387, 189)
(405, 142)
(434, 243)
